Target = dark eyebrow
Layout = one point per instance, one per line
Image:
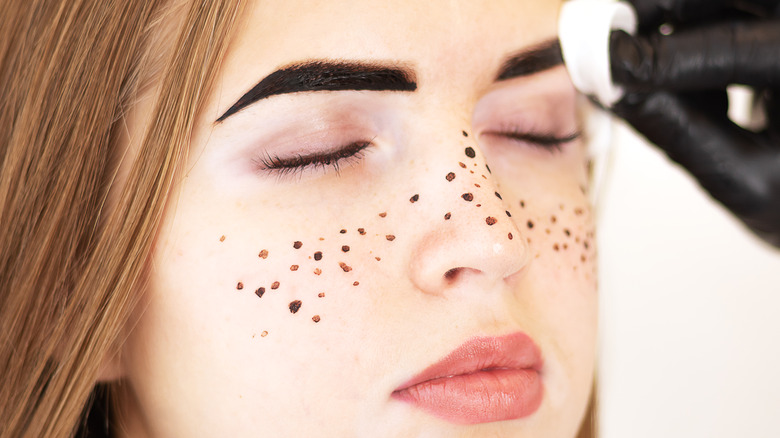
(326, 76)
(536, 59)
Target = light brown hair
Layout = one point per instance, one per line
(69, 71)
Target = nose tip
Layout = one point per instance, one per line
(477, 240)
(482, 256)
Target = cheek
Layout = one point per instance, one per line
(562, 233)
(548, 197)
(288, 269)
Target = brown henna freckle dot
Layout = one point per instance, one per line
(295, 306)
(586, 244)
(578, 211)
(450, 176)
(321, 294)
(477, 185)
(471, 171)
(508, 214)
(565, 246)
(467, 196)
(461, 165)
(470, 152)
(583, 258)
(294, 267)
(479, 205)
(222, 239)
(362, 231)
(555, 247)
(240, 285)
(567, 232)
(498, 195)
(379, 259)
(297, 244)
(315, 318)
(560, 206)
(275, 285)
(390, 237)
(259, 292)
(490, 220)
(345, 267)
(553, 219)
(263, 254)
(264, 334)
(530, 224)
(318, 255)
(510, 236)
(383, 214)
(447, 216)
(522, 204)
(317, 271)
(484, 177)
(488, 168)
(577, 239)
(343, 231)
(345, 248)
(465, 134)
(414, 199)
(355, 283)
(528, 239)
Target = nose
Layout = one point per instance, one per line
(475, 244)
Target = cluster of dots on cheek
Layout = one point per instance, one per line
(568, 232)
(320, 260)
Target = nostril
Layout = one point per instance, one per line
(451, 275)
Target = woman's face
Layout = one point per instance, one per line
(412, 258)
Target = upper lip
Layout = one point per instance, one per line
(512, 351)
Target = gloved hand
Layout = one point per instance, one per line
(675, 96)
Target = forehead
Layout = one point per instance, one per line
(438, 38)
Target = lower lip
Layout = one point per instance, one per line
(480, 397)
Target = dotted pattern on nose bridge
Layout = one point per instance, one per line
(471, 154)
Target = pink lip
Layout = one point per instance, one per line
(486, 379)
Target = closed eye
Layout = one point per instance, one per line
(297, 164)
(545, 141)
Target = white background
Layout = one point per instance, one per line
(690, 309)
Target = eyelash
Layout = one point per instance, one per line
(550, 142)
(291, 166)
(354, 153)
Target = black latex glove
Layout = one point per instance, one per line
(675, 96)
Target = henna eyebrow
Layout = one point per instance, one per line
(327, 76)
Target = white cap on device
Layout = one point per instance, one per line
(584, 28)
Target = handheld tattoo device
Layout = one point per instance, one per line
(584, 28)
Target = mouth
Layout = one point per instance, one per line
(484, 380)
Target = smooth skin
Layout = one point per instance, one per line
(207, 359)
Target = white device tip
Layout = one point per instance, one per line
(584, 28)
